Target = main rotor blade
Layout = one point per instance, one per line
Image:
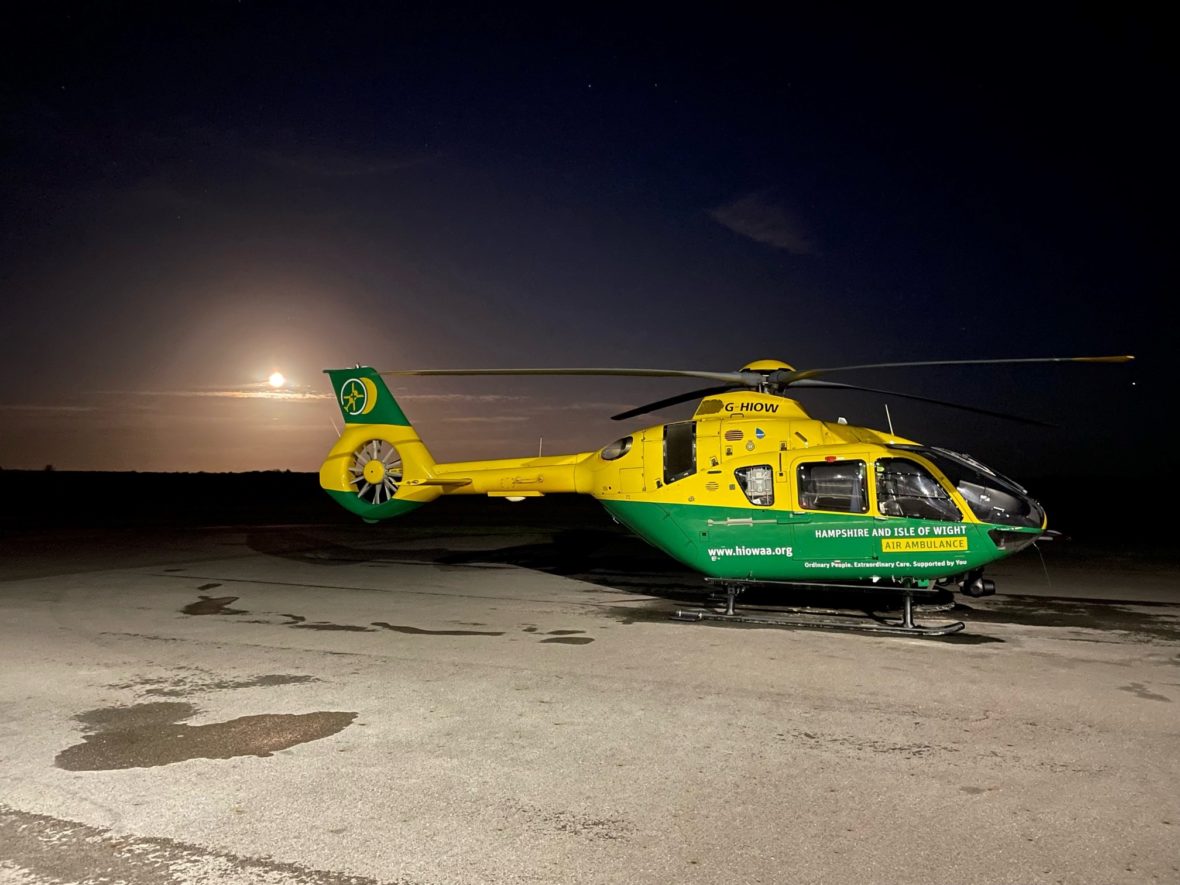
(833, 385)
(671, 401)
(734, 378)
(791, 377)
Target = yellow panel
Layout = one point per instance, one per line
(631, 480)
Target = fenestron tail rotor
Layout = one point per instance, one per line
(375, 471)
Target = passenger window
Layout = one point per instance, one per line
(757, 483)
(680, 450)
(833, 485)
(617, 449)
(906, 488)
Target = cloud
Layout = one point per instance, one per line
(762, 221)
(261, 390)
(484, 419)
(519, 402)
(23, 407)
(286, 151)
(457, 397)
(585, 406)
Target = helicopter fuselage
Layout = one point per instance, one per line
(751, 488)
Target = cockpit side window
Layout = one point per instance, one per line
(906, 488)
(833, 485)
(680, 450)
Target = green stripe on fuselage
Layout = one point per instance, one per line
(780, 545)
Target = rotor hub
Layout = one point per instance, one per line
(765, 366)
(761, 375)
(374, 472)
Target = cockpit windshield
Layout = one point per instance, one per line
(993, 498)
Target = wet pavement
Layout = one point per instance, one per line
(144, 735)
(448, 704)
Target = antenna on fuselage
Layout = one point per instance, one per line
(889, 420)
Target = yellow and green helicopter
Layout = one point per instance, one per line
(750, 490)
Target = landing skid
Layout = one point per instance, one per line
(866, 621)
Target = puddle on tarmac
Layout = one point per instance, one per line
(567, 637)
(1140, 691)
(219, 605)
(149, 735)
(418, 631)
(184, 682)
(347, 628)
(301, 623)
(213, 605)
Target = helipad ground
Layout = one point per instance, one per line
(430, 705)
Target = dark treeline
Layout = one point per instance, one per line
(40, 499)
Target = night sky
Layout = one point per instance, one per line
(196, 196)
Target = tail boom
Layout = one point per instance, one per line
(380, 468)
(509, 477)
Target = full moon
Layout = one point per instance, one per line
(277, 379)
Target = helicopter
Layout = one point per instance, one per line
(751, 490)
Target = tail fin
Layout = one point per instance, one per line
(363, 397)
(378, 466)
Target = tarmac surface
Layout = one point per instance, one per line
(475, 701)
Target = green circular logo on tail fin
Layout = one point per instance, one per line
(358, 396)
